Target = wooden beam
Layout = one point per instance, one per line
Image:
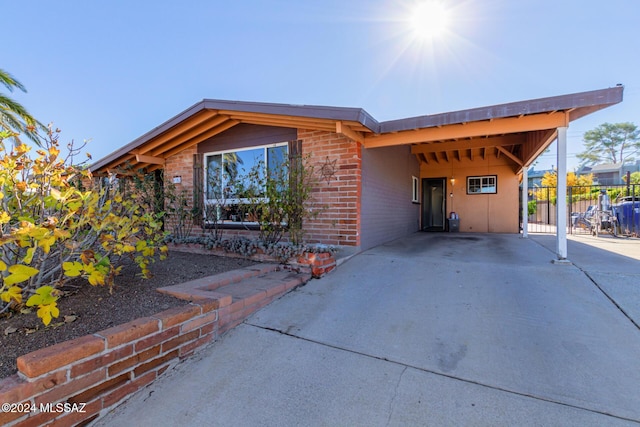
(510, 155)
(345, 130)
(116, 163)
(471, 129)
(193, 124)
(446, 156)
(279, 120)
(141, 158)
(468, 144)
(202, 137)
(290, 123)
(164, 145)
(424, 158)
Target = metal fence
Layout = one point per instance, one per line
(582, 203)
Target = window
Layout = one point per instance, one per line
(482, 184)
(226, 178)
(415, 198)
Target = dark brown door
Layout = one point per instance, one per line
(433, 207)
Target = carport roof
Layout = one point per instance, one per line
(519, 130)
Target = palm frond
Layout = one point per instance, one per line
(10, 82)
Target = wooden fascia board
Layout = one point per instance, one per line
(193, 124)
(345, 130)
(200, 138)
(509, 155)
(466, 144)
(507, 125)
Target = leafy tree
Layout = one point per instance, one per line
(635, 178)
(580, 184)
(14, 118)
(611, 143)
(56, 223)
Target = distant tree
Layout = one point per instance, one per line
(580, 184)
(635, 178)
(611, 143)
(14, 118)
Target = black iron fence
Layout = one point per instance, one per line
(622, 201)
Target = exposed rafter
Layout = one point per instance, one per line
(345, 130)
(141, 158)
(468, 144)
(510, 155)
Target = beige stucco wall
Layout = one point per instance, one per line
(480, 213)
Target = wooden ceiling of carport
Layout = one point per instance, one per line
(520, 139)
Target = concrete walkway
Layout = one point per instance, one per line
(435, 329)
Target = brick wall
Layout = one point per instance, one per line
(337, 199)
(181, 165)
(339, 222)
(100, 370)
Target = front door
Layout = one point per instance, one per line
(433, 208)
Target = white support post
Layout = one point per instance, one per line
(525, 202)
(561, 196)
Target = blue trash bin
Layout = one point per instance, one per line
(628, 214)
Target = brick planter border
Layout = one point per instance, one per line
(318, 264)
(78, 380)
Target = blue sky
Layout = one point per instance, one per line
(112, 71)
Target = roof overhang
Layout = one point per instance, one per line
(520, 130)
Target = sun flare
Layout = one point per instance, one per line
(429, 20)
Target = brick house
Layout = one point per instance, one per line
(379, 180)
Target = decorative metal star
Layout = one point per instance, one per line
(328, 169)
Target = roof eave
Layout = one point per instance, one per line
(580, 104)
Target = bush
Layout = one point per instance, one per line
(57, 223)
(280, 200)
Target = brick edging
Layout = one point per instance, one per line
(78, 380)
(318, 264)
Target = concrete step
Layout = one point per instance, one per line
(240, 293)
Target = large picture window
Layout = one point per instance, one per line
(227, 179)
(482, 184)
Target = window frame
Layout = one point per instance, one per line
(490, 189)
(235, 200)
(415, 190)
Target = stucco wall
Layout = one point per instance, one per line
(387, 210)
(482, 213)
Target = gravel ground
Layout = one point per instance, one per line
(87, 309)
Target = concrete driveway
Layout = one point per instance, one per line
(434, 329)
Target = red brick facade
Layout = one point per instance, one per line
(339, 187)
(337, 161)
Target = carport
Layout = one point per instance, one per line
(515, 134)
